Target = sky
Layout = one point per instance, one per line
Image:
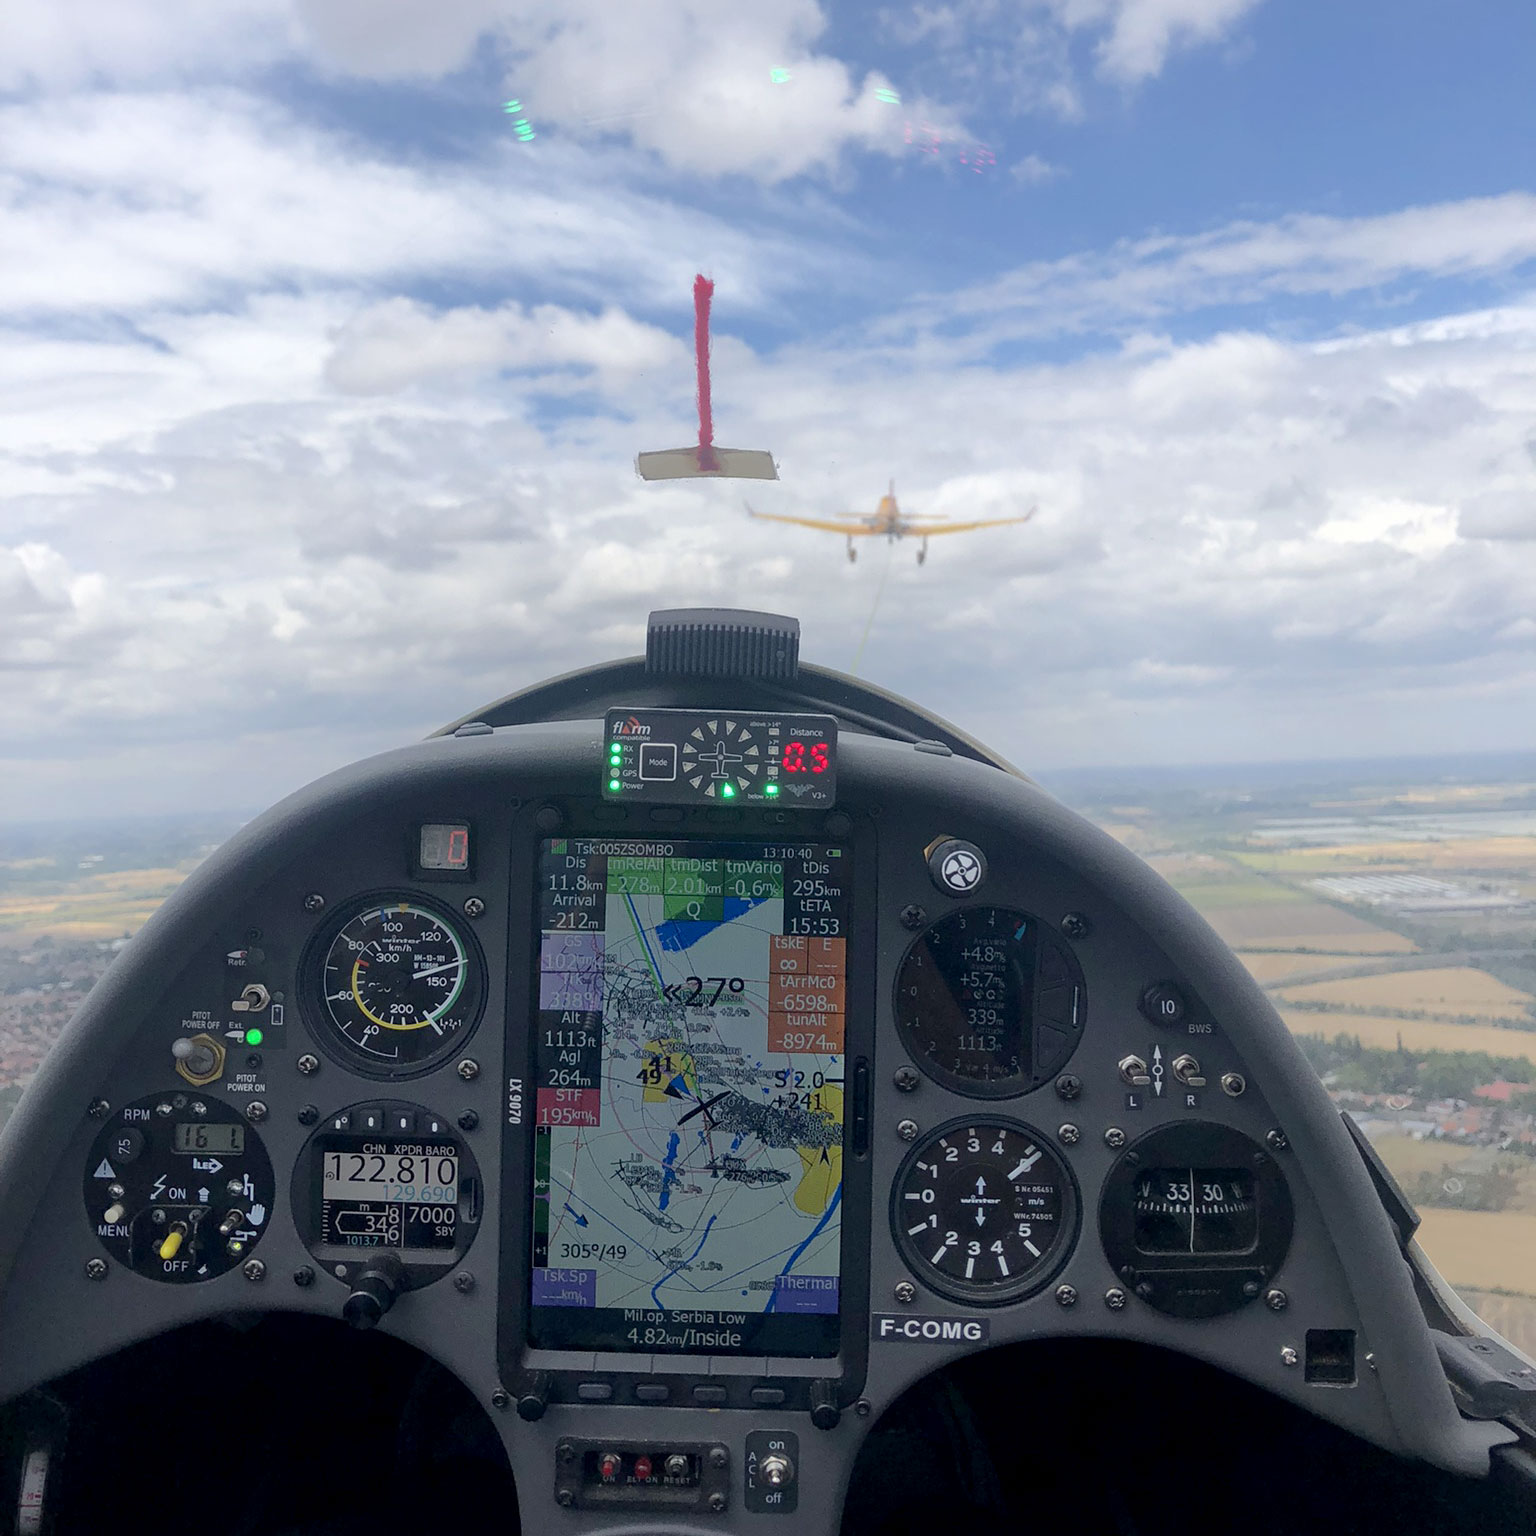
(323, 372)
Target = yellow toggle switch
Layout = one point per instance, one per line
(172, 1244)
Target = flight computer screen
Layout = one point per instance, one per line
(688, 1142)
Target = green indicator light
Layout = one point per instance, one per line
(770, 789)
(614, 785)
(253, 1037)
(726, 791)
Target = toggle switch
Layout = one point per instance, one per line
(173, 1241)
(1187, 1070)
(1134, 1070)
(114, 1213)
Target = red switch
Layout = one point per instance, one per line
(643, 1468)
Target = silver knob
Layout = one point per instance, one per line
(1134, 1070)
(195, 1055)
(777, 1470)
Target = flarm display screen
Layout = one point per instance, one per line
(689, 1072)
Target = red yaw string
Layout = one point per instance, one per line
(703, 291)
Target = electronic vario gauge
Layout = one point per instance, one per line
(178, 1187)
(393, 985)
(989, 1002)
(984, 1211)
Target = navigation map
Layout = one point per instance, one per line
(688, 1154)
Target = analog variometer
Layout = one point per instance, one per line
(984, 1211)
(990, 1002)
(394, 986)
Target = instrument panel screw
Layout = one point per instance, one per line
(564, 1497)
(1370, 1360)
(1250, 1288)
(863, 1407)
(255, 1111)
(719, 1458)
(1276, 1140)
(1288, 1356)
(566, 1452)
(907, 1129)
(501, 1398)
(1066, 1295)
(469, 1070)
(308, 1064)
(1114, 1138)
(309, 1114)
(905, 1292)
(95, 1269)
(303, 1277)
(468, 1120)
(314, 902)
(98, 1109)
(913, 917)
(463, 1282)
(907, 1079)
(1276, 1301)
(254, 1269)
(1068, 1135)
(1068, 1086)
(1144, 1289)
(199, 1108)
(1114, 1298)
(717, 1502)
(1076, 926)
(474, 907)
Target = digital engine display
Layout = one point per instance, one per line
(689, 1072)
(374, 1194)
(203, 1137)
(443, 845)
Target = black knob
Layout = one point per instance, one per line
(533, 1399)
(375, 1291)
(825, 1414)
(1163, 1003)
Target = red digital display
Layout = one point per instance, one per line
(444, 846)
(798, 760)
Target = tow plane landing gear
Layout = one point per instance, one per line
(853, 554)
(922, 552)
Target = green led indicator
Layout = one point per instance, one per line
(253, 1037)
(770, 789)
(726, 791)
(614, 785)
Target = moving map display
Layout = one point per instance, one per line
(688, 1149)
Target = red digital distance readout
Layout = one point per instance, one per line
(797, 760)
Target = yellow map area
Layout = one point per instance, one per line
(822, 1166)
(662, 1062)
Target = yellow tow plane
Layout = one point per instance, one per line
(888, 521)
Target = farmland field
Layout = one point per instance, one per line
(1482, 1250)
(1416, 1034)
(1451, 990)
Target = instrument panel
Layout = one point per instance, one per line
(624, 1110)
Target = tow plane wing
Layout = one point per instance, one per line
(863, 528)
(925, 529)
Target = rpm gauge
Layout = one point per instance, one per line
(984, 1211)
(989, 1002)
(393, 985)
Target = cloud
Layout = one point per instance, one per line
(1141, 34)
(1245, 262)
(689, 81)
(119, 202)
(399, 342)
